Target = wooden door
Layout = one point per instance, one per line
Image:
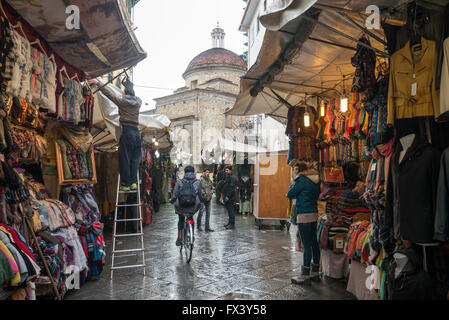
(271, 186)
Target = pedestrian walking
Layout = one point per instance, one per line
(207, 190)
(306, 191)
(186, 198)
(229, 196)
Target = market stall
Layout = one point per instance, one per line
(51, 227)
(372, 105)
(271, 183)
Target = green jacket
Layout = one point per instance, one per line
(207, 188)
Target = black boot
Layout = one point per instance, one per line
(179, 240)
(315, 272)
(304, 278)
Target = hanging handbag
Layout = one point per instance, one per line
(334, 175)
(7, 102)
(18, 110)
(31, 115)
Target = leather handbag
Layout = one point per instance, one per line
(334, 175)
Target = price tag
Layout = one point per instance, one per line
(414, 88)
(339, 243)
(373, 166)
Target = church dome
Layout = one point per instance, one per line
(218, 56)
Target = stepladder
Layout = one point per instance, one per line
(137, 234)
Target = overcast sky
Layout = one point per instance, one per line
(173, 32)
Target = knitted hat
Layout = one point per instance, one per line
(189, 169)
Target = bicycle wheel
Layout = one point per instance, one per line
(188, 237)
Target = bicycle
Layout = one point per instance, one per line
(188, 237)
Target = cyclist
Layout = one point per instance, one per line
(181, 194)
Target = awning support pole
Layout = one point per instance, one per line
(280, 99)
(344, 35)
(333, 8)
(356, 25)
(99, 132)
(333, 44)
(275, 115)
(110, 81)
(95, 142)
(325, 41)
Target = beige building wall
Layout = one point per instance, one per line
(209, 109)
(206, 74)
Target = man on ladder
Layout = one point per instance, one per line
(129, 159)
(130, 140)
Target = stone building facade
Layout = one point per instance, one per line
(212, 81)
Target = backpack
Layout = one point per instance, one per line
(187, 193)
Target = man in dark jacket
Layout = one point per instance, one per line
(189, 175)
(229, 191)
(130, 140)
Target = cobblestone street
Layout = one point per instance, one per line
(244, 263)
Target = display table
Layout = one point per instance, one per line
(357, 282)
(334, 265)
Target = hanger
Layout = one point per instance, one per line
(52, 58)
(86, 83)
(38, 42)
(76, 77)
(65, 71)
(19, 25)
(415, 37)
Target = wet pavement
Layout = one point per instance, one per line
(244, 263)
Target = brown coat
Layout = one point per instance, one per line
(403, 73)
